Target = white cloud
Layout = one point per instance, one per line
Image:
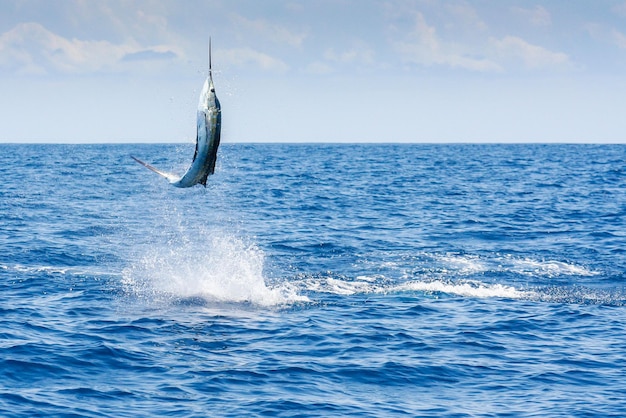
(466, 14)
(30, 48)
(319, 68)
(360, 54)
(271, 31)
(423, 46)
(606, 34)
(511, 48)
(537, 16)
(620, 9)
(245, 56)
(619, 38)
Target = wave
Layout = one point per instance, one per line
(19, 268)
(381, 285)
(470, 264)
(315, 286)
(214, 266)
(475, 289)
(463, 275)
(56, 270)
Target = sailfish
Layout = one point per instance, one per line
(209, 125)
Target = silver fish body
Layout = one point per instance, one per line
(209, 125)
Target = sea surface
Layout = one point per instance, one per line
(314, 280)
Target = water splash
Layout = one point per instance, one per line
(215, 266)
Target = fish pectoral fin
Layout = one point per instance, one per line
(171, 177)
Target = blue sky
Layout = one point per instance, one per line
(316, 70)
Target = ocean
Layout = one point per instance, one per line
(378, 280)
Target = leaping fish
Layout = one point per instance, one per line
(209, 121)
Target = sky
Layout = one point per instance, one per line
(96, 71)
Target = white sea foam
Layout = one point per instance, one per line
(365, 285)
(551, 268)
(335, 286)
(215, 267)
(473, 289)
(70, 271)
(463, 264)
(472, 264)
(40, 269)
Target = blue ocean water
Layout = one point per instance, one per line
(314, 280)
